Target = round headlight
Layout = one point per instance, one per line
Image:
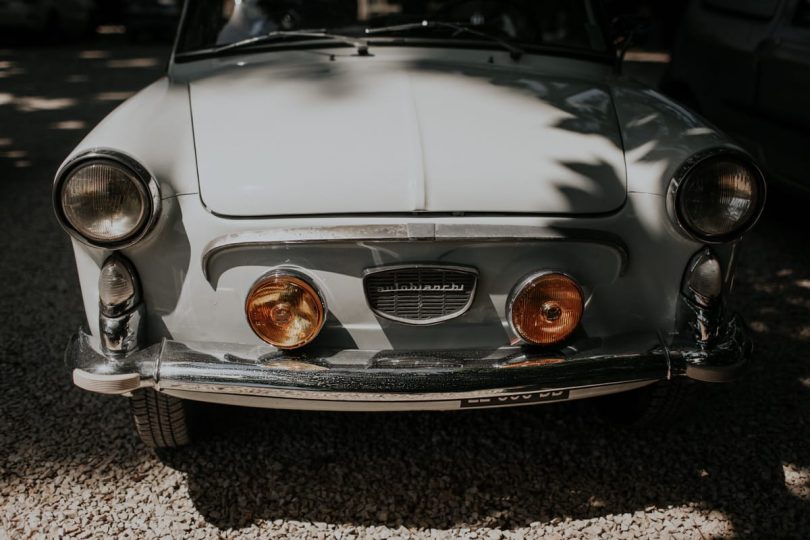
(284, 310)
(106, 203)
(546, 308)
(720, 198)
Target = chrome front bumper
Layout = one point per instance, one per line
(416, 380)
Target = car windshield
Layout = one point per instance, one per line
(211, 25)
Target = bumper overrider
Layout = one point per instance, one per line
(416, 380)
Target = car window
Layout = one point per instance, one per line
(803, 14)
(569, 24)
(758, 9)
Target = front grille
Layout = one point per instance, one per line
(420, 294)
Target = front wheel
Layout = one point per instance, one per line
(659, 405)
(160, 420)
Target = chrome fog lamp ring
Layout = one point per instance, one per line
(685, 178)
(145, 184)
(286, 309)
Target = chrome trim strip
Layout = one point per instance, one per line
(148, 181)
(408, 232)
(327, 403)
(682, 175)
(425, 322)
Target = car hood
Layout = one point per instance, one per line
(363, 135)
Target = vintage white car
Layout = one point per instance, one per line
(402, 205)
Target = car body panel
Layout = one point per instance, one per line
(411, 156)
(397, 133)
(183, 302)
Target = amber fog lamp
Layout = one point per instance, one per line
(285, 311)
(546, 308)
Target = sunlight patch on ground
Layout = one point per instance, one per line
(69, 124)
(94, 55)
(78, 79)
(797, 480)
(133, 63)
(803, 283)
(9, 69)
(5, 99)
(22, 164)
(14, 154)
(798, 301)
(5, 141)
(114, 96)
(648, 57)
(702, 523)
(36, 103)
(107, 29)
(759, 327)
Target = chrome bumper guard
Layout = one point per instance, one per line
(395, 380)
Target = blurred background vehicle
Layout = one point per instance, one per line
(745, 65)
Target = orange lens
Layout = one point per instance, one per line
(547, 309)
(285, 311)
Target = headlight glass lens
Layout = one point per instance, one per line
(719, 198)
(547, 309)
(104, 202)
(285, 311)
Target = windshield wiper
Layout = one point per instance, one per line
(360, 45)
(515, 52)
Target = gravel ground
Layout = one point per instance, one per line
(70, 465)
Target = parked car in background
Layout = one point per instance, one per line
(745, 65)
(403, 205)
(47, 20)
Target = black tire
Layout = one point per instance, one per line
(160, 420)
(660, 405)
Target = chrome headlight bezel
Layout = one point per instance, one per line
(685, 173)
(147, 183)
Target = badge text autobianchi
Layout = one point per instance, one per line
(413, 287)
(517, 399)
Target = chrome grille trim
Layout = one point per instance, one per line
(413, 302)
